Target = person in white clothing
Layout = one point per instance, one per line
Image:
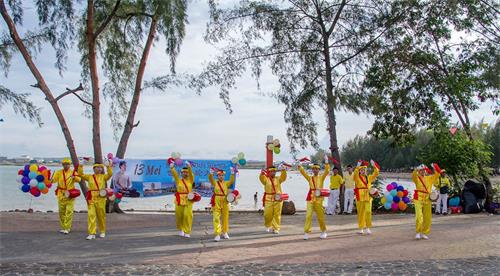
(349, 190)
(336, 182)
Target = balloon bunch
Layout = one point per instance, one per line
(34, 179)
(113, 196)
(239, 159)
(175, 157)
(113, 159)
(395, 198)
(275, 146)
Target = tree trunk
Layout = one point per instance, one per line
(94, 78)
(129, 124)
(331, 120)
(42, 85)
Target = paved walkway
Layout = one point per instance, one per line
(147, 243)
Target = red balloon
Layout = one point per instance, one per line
(35, 191)
(405, 193)
(20, 172)
(119, 195)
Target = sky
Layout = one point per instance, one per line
(176, 120)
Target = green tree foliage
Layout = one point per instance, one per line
(434, 65)
(450, 151)
(20, 104)
(461, 157)
(314, 48)
(121, 47)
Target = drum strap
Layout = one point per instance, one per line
(186, 186)
(422, 180)
(221, 189)
(364, 181)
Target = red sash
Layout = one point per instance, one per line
(212, 200)
(308, 198)
(65, 186)
(178, 194)
(274, 192)
(415, 194)
(88, 195)
(365, 183)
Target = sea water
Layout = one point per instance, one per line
(11, 197)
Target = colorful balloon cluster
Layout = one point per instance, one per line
(176, 156)
(111, 158)
(395, 198)
(114, 196)
(34, 179)
(239, 159)
(275, 146)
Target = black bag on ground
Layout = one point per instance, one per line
(477, 189)
(471, 205)
(472, 195)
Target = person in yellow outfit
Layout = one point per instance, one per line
(96, 198)
(423, 180)
(363, 183)
(314, 202)
(336, 182)
(272, 204)
(65, 179)
(183, 206)
(220, 205)
(443, 186)
(349, 190)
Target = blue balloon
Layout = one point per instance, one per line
(27, 167)
(40, 178)
(25, 188)
(406, 199)
(32, 175)
(394, 192)
(25, 180)
(26, 172)
(387, 205)
(388, 197)
(400, 188)
(396, 199)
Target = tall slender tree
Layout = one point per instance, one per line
(314, 48)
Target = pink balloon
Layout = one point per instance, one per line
(110, 155)
(389, 187)
(394, 206)
(178, 162)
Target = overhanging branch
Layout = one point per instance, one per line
(107, 20)
(73, 91)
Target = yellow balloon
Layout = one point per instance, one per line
(383, 200)
(33, 168)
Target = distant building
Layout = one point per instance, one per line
(22, 159)
(3, 158)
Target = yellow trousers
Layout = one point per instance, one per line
(423, 216)
(96, 211)
(272, 214)
(184, 217)
(364, 210)
(221, 218)
(315, 207)
(66, 207)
